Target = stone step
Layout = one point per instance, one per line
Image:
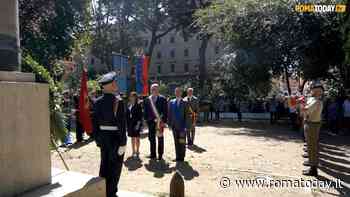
(133, 194)
(74, 184)
(70, 184)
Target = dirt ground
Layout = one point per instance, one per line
(226, 152)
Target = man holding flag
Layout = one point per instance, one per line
(84, 105)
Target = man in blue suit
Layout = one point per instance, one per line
(178, 122)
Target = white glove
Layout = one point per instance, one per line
(121, 150)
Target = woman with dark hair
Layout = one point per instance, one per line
(134, 121)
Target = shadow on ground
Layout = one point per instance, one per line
(259, 129)
(335, 161)
(78, 145)
(133, 163)
(159, 168)
(186, 170)
(196, 149)
(334, 150)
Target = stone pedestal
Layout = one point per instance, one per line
(16, 76)
(24, 135)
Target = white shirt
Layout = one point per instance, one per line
(178, 101)
(154, 98)
(346, 108)
(130, 108)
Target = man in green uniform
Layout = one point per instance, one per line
(312, 125)
(193, 109)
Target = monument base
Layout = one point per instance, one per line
(24, 135)
(12, 76)
(71, 184)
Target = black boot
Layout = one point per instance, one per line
(312, 171)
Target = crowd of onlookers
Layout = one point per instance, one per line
(336, 111)
(337, 114)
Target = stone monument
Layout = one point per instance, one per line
(9, 34)
(24, 115)
(25, 164)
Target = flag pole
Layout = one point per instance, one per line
(59, 153)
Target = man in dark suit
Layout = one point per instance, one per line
(155, 113)
(179, 123)
(109, 127)
(78, 126)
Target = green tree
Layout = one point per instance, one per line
(50, 27)
(152, 16)
(50, 30)
(285, 42)
(113, 30)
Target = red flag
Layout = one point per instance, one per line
(146, 60)
(84, 104)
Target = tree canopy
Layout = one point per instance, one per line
(49, 28)
(277, 39)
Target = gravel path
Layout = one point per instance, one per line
(226, 152)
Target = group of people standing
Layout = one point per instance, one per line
(72, 113)
(337, 114)
(308, 114)
(113, 121)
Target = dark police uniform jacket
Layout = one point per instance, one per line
(104, 120)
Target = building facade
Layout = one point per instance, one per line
(175, 58)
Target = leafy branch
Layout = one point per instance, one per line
(57, 118)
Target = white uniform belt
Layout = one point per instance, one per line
(109, 128)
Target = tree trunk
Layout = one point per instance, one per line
(345, 68)
(202, 61)
(301, 88)
(347, 77)
(286, 75)
(151, 46)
